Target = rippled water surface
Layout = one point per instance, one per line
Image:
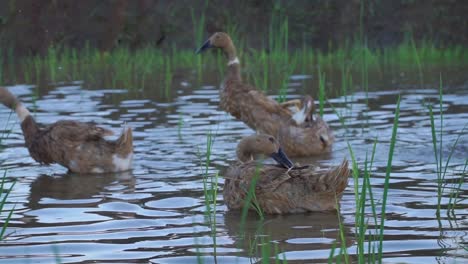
(156, 212)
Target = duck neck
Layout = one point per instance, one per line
(247, 150)
(30, 130)
(233, 69)
(28, 125)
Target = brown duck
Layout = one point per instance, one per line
(263, 114)
(281, 188)
(78, 146)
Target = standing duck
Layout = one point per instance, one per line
(281, 188)
(265, 115)
(78, 146)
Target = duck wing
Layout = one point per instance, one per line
(261, 101)
(74, 131)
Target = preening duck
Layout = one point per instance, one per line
(281, 188)
(297, 134)
(78, 146)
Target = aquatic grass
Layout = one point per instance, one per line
(417, 60)
(168, 77)
(261, 248)
(369, 242)
(270, 69)
(198, 31)
(343, 249)
(7, 130)
(441, 168)
(210, 191)
(5, 192)
(250, 200)
(285, 78)
(455, 192)
(321, 90)
(387, 180)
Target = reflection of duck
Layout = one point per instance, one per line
(264, 114)
(281, 188)
(311, 233)
(72, 186)
(78, 146)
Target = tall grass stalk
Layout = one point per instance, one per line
(417, 60)
(251, 200)
(364, 198)
(455, 191)
(441, 168)
(387, 179)
(210, 191)
(321, 94)
(5, 192)
(198, 30)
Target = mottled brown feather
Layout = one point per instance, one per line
(78, 146)
(279, 190)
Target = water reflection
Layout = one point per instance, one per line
(73, 198)
(157, 212)
(310, 233)
(71, 189)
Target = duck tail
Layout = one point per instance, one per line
(125, 141)
(339, 176)
(10, 101)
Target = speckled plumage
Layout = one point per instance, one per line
(78, 146)
(280, 190)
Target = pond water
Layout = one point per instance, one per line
(156, 213)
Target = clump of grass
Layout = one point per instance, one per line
(441, 168)
(369, 242)
(210, 190)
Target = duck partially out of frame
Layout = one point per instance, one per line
(78, 146)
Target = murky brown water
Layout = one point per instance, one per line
(156, 213)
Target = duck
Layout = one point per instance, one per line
(80, 147)
(282, 187)
(299, 136)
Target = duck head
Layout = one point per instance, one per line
(255, 146)
(220, 40)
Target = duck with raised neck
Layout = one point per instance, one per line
(78, 146)
(298, 132)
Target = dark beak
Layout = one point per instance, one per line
(205, 46)
(282, 159)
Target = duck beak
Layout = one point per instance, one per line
(205, 46)
(282, 159)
